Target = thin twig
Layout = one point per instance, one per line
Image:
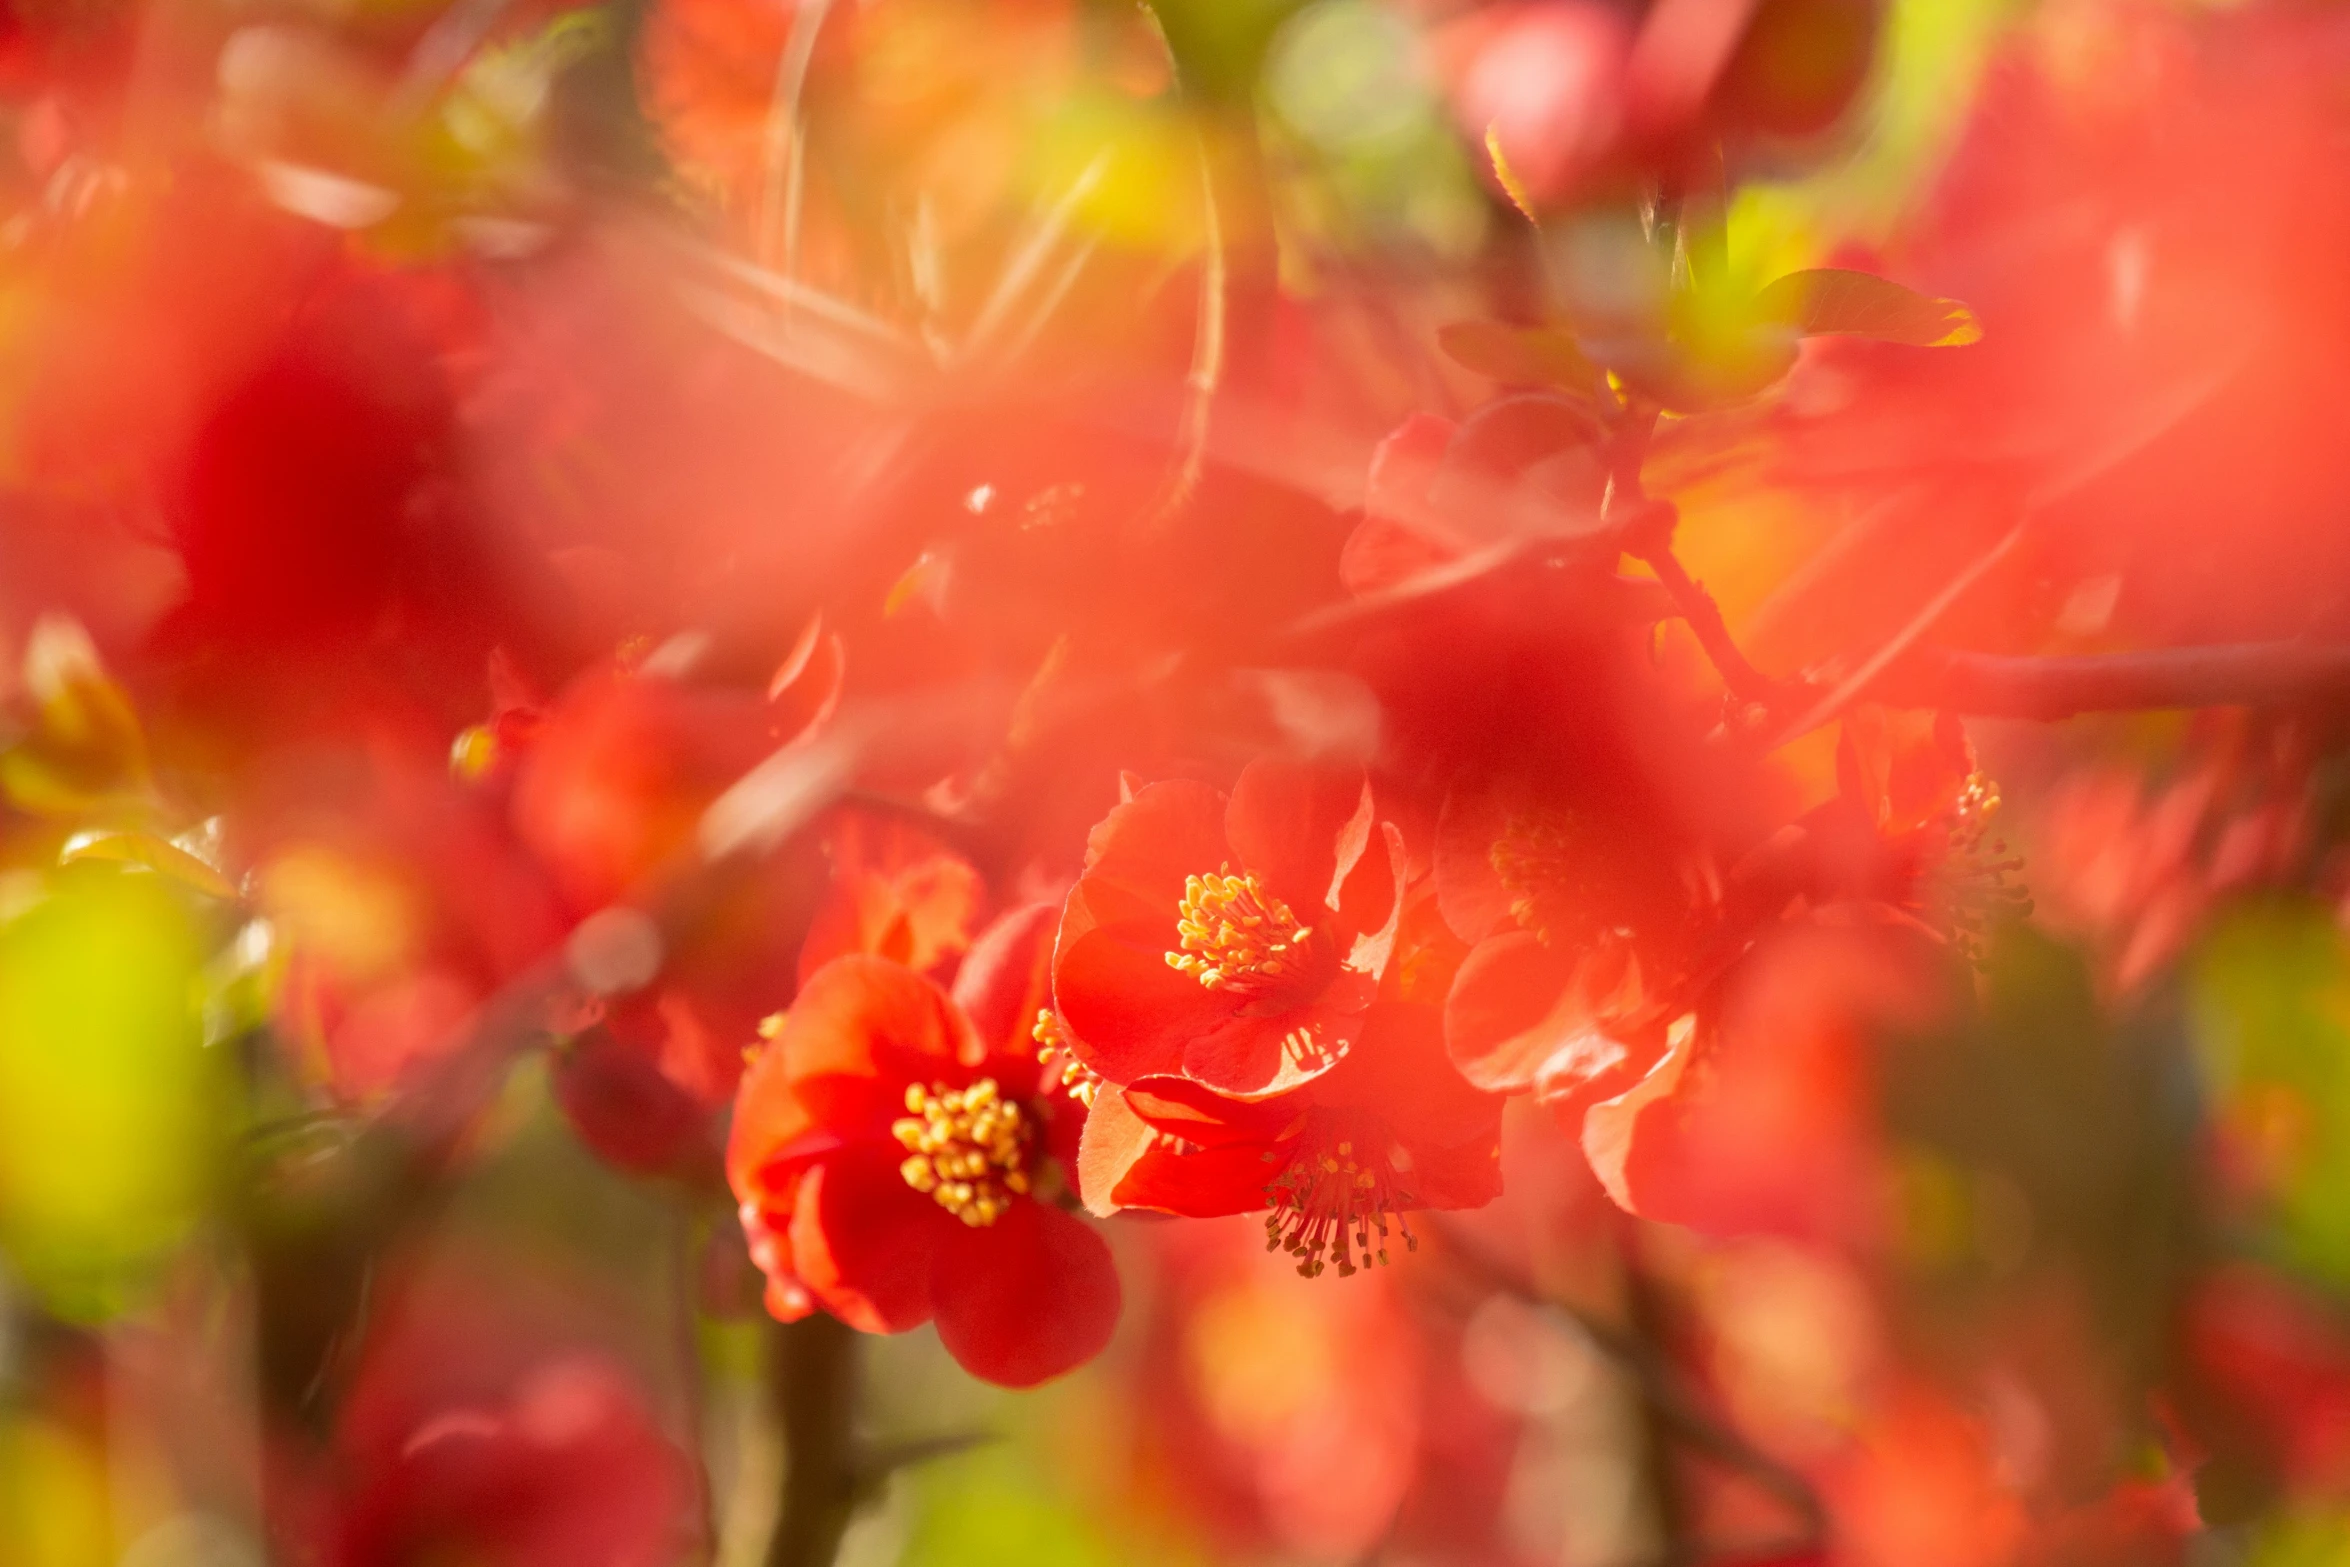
(1207, 358)
(2256, 674)
(1704, 618)
(1646, 527)
(783, 156)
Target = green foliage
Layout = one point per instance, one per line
(990, 1509)
(1831, 301)
(1529, 356)
(2044, 1133)
(2272, 1001)
(105, 1089)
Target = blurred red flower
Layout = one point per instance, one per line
(618, 774)
(897, 893)
(467, 1437)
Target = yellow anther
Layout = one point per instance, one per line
(1234, 934)
(967, 1148)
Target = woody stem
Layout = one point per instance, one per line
(1646, 527)
(2243, 674)
(812, 1383)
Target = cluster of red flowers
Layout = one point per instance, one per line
(903, 594)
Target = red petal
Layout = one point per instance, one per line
(896, 892)
(1138, 856)
(1612, 1130)
(1367, 903)
(1262, 1056)
(860, 1031)
(768, 1117)
(1462, 1177)
(1468, 889)
(1511, 1015)
(1198, 1114)
(1301, 827)
(864, 1241)
(1006, 979)
(1400, 1072)
(1196, 1183)
(1113, 1139)
(1383, 553)
(1026, 1298)
(1131, 1013)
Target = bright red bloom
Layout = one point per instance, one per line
(1392, 1128)
(890, 1160)
(1234, 941)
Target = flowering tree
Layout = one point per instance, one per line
(690, 684)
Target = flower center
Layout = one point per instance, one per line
(1327, 1203)
(966, 1147)
(1236, 935)
(1541, 865)
(1976, 890)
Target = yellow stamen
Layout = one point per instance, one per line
(1236, 935)
(966, 1147)
(1052, 1044)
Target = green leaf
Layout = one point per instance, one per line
(1832, 301)
(106, 1093)
(159, 855)
(2271, 992)
(1507, 177)
(1519, 355)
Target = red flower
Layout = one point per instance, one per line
(485, 1426)
(1234, 941)
(1760, 1117)
(1391, 1129)
(889, 1161)
(897, 893)
(1580, 902)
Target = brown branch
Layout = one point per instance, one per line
(1699, 611)
(1646, 528)
(812, 1381)
(2253, 674)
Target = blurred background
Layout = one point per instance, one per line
(525, 526)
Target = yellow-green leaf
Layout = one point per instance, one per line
(1835, 301)
(106, 1092)
(1519, 355)
(160, 855)
(1511, 185)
